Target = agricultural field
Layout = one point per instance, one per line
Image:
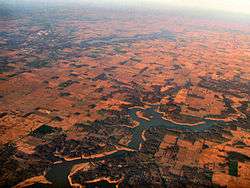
(106, 98)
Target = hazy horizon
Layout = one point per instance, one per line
(229, 6)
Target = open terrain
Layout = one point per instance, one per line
(92, 97)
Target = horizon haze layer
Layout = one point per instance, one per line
(229, 6)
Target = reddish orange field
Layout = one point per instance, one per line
(139, 99)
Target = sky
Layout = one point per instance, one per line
(237, 6)
(233, 6)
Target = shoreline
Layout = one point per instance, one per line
(178, 123)
(83, 165)
(140, 115)
(74, 170)
(143, 135)
(94, 156)
(108, 179)
(31, 181)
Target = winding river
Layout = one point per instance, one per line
(156, 120)
(58, 174)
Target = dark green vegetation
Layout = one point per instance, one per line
(4, 67)
(233, 167)
(17, 166)
(64, 94)
(38, 64)
(232, 87)
(66, 84)
(43, 131)
(235, 156)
